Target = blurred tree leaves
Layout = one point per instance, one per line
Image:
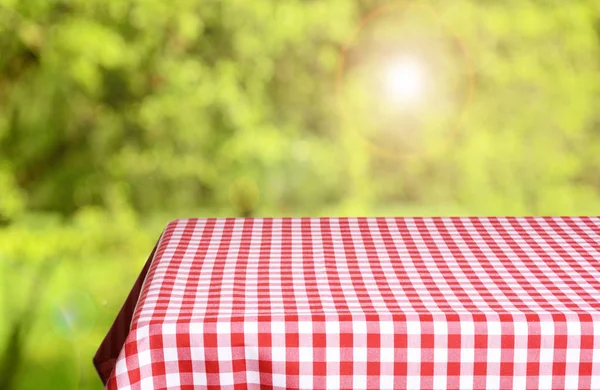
(119, 115)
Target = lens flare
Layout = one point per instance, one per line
(407, 81)
(404, 81)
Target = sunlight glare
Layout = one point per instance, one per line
(404, 81)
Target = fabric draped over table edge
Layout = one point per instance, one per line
(110, 348)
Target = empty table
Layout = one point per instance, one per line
(357, 303)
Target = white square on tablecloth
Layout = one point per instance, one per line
(121, 367)
(413, 355)
(147, 383)
(595, 383)
(467, 327)
(413, 327)
(253, 377)
(439, 382)
(225, 353)
(279, 380)
(467, 355)
(494, 355)
(278, 327)
(196, 328)
(172, 380)
(170, 354)
(332, 354)
(305, 354)
(360, 354)
(386, 327)
(546, 328)
(333, 382)
(573, 356)
(387, 355)
(386, 382)
(359, 382)
(199, 378)
(440, 328)
(545, 382)
(494, 328)
(520, 382)
(413, 382)
(573, 328)
(359, 327)
(571, 381)
(251, 352)
(332, 327)
(250, 327)
(466, 382)
(144, 358)
(306, 382)
(305, 327)
(142, 332)
(440, 355)
(223, 328)
(226, 379)
(278, 354)
(169, 328)
(546, 355)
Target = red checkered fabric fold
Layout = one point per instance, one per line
(368, 303)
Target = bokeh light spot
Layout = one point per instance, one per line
(404, 81)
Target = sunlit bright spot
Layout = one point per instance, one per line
(404, 81)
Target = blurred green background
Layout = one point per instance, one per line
(117, 116)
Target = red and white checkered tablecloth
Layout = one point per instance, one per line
(363, 303)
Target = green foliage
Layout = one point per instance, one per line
(119, 115)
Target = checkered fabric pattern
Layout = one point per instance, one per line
(368, 303)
